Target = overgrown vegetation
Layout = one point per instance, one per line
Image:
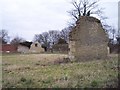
(41, 71)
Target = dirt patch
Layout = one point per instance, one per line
(16, 67)
(60, 61)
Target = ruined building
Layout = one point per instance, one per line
(88, 40)
(36, 47)
(61, 46)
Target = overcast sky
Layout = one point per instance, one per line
(26, 18)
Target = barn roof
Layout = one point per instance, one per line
(26, 43)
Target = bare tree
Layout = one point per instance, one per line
(4, 38)
(54, 36)
(113, 31)
(64, 34)
(110, 30)
(85, 8)
(88, 8)
(118, 40)
(17, 40)
(118, 36)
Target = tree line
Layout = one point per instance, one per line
(47, 39)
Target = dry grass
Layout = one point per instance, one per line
(44, 71)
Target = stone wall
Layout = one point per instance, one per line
(60, 47)
(23, 49)
(36, 48)
(88, 40)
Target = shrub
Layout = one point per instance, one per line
(94, 83)
(23, 79)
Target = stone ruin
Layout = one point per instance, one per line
(61, 46)
(88, 40)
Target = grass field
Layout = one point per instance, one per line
(42, 71)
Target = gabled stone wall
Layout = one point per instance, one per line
(36, 48)
(88, 40)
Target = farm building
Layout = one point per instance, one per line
(30, 47)
(88, 40)
(24, 47)
(36, 48)
(9, 48)
(61, 46)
